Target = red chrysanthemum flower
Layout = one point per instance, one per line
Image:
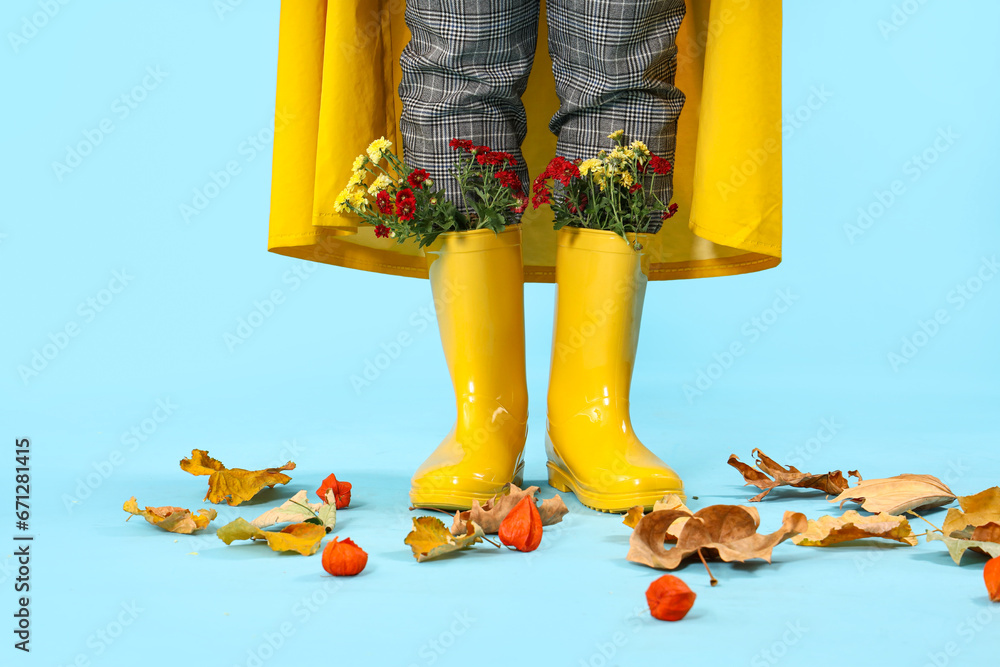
(383, 200)
(509, 179)
(417, 177)
(573, 207)
(634, 188)
(670, 212)
(460, 144)
(522, 204)
(382, 232)
(406, 204)
(660, 165)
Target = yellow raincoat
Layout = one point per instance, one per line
(338, 80)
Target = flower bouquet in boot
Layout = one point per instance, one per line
(601, 284)
(614, 191)
(401, 202)
(477, 281)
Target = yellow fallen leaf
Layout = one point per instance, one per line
(896, 495)
(301, 537)
(298, 510)
(829, 530)
(172, 519)
(633, 516)
(232, 485)
(977, 510)
(958, 546)
(431, 539)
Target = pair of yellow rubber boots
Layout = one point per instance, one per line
(477, 283)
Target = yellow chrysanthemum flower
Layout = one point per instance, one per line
(358, 198)
(340, 204)
(588, 166)
(639, 148)
(616, 135)
(357, 178)
(359, 163)
(377, 147)
(381, 183)
(618, 154)
(626, 178)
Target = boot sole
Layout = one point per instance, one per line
(459, 501)
(562, 480)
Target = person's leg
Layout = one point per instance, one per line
(463, 73)
(614, 63)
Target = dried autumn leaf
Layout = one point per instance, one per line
(977, 510)
(490, 515)
(728, 532)
(232, 485)
(171, 519)
(297, 510)
(431, 539)
(633, 516)
(670, 501)
(773, 474)
(896, 495)
(958, 546)
(301, 537)
(830, 530)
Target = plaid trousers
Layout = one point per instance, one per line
(467, 65)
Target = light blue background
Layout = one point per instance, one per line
(286, 393)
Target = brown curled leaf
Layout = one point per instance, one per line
(727, 532)
(772, 474)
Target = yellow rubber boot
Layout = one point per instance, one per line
(478, 285)
(592, 450)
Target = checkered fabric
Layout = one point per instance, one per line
(467, 64)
